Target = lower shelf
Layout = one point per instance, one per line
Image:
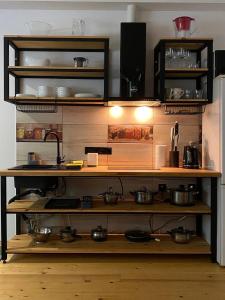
(22, 244)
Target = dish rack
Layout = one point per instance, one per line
(33, 108)
(183, 110)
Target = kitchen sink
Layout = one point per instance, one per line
(38, 167)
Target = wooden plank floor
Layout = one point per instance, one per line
(107, 277)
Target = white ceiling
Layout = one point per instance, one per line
(153, 5)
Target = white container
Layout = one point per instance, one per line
(161, 152)
(92, 159)
(37, 62)
(43, 91)
(62, 91)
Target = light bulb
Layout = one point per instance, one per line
(143, 114)
(116, 111)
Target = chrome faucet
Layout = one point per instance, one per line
(59, 160)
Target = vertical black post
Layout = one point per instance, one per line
(199, 217)
(210, 71)
(162, 71)
(3, 219)
(156, 69)
(198, 60)
(213, 218)
(106, 69)
(18, 217)
(6, 71)
(17, 63)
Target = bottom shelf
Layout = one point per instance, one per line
(115, 244)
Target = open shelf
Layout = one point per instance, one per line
(123, 207)
(57, 101)
(57, 43)
(56, 72)
(115, 244)
(184, 73)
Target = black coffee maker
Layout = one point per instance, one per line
(191, 157)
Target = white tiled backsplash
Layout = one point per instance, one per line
(88, 126)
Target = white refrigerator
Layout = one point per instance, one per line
(213, 149)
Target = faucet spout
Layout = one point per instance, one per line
(58, 158)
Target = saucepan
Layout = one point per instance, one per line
(143, 196)
(180, 235)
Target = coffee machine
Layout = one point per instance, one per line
(191, 156)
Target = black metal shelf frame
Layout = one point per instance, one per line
(161, 74)
(9, 42)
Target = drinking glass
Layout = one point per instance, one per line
(78, 27)
(198, 94)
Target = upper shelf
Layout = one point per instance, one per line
(192, 44)
(185, 73)
(58, 43)
(56, 72)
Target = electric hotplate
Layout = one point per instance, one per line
(63, 203)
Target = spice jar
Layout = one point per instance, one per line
(20, 133)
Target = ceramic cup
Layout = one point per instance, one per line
(62, 91)
(43, 91)
(176, 93)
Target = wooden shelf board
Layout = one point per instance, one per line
(187, 43)
(115, 244)
(53, 71)
(123, 207)
(46, 42)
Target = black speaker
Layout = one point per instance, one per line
(219, 62)
(132, 59)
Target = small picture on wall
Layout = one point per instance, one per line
(130, 134)
(35, 132)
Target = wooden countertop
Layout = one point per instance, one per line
(114, 171)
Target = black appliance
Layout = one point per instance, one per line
(63, 203)
(191, 157)
(132, 59)
(219, 62)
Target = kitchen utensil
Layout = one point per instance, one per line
(143, 197)
(80, 62)
(38, 27)
(184, 26)
(137, 236)
(62, 91)
(184, 196)
(180, 235)
(68, 234)
(41, 234)
(191, 156)
(176, 135)
(110, 197)
(78, 27)
(99, 234)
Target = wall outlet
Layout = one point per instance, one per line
(99, 150)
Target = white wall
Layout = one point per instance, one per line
(210, 24)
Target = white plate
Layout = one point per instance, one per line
(86, 95)
(25, 96)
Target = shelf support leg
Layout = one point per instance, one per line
(213, 219)
(3, 220)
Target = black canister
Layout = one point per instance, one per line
(190, 157)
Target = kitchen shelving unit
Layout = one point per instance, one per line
(161, 73)
(116, 243)
(50, 44)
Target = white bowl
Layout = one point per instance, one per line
(35, 61)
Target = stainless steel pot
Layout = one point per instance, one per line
(41, 234)
(143, 197)
(68, 234)
(184, 196)
(180, 235)
(99, 234)
(111, 198)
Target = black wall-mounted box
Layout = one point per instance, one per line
(219, 62)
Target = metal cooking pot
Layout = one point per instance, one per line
(143, 197)
(180, 235)
(99, 234)
(184, 196)
(68, 234)
(111, 197)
